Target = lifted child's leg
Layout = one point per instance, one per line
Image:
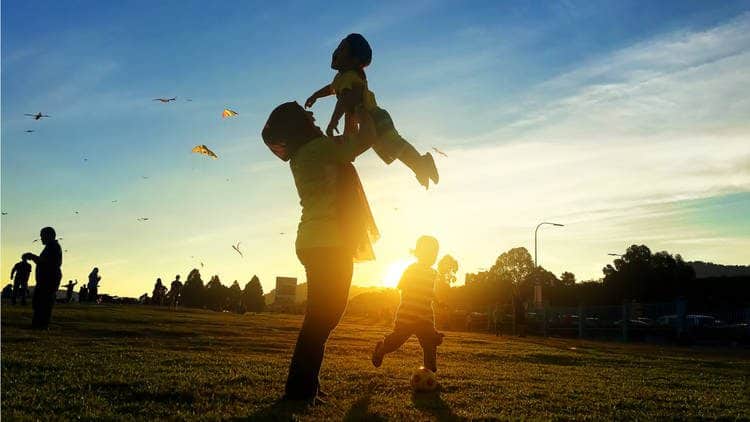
(390, 146)
(391, 343)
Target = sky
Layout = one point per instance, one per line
(625, 121)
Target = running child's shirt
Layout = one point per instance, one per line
(350, 79)
(417, 287)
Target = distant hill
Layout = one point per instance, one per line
(709, 269)
(302, 292)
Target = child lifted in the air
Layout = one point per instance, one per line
(414, 315)
(350, 87)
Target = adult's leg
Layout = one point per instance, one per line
(16, 291)
(329, 275)
(428, 340)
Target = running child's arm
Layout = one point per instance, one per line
(13, 272)
(322, 92)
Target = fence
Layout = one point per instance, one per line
(653, 322)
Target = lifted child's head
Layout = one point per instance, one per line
(353, 53)
(426, 250)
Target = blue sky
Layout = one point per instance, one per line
(624, 120)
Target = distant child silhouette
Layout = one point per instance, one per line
(48, 276)
(414, 315)
(20, 276)
(350, 87)
(158, 293)
(69, 290)
(83, 294)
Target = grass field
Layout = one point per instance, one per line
(150, 363)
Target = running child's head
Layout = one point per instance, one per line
(353, 53)
(426, 250)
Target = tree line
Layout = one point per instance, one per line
(218, 297)
(638, 275)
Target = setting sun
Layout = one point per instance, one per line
(395, 270)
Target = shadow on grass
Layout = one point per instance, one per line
(280, 410)
(360, 409)
(433, 404)
(548, 359)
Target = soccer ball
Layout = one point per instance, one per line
(422, 379)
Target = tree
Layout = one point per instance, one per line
(514, 266)
(252, 296)
(193, 294)
(642, 276)
(447, 268)
(217, 294)
(567, 279)
(235, 297)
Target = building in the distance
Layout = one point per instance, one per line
(286, 290)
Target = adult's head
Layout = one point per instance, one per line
(24, 258)
(426, 250)
(158, 281)
(352, 53)
(289, 126)
(177, 277)
(48, 235)
(95, 270)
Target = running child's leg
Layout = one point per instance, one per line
(428, 340)
(390, 146)
(391, 343)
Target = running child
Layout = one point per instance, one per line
(414, 315)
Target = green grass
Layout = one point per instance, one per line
(149, 363)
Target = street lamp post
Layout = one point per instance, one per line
(535, 237)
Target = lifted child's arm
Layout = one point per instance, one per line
(348, 100)
(322, 92)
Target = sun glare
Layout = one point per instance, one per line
(394, 271)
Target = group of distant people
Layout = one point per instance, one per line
(48, 276)
(161, 297)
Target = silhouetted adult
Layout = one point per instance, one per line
(335, 228)
(174, 291)
(83, 294)
(69, 290)
(48, 276)
(158, 294)
(94, 279)
(20, 276)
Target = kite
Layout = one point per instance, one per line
(75, 212)
(35, 240)
(142, 219)
(5, 213)
(201, 264)
(202, 149)
(237, 248)
(114, 201)
(229, 113)
(189, 100)
(37, 116)
(85, 159)
(165, 100)
(282, 233)
(30, 131)
(144, 177)
(439, 152)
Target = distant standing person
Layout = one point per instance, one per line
(69, 290)
(94, 279)
(174, 291)
(158, 293)
(519, 315)
(20, 276)
(48, 276)
(83, 294)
